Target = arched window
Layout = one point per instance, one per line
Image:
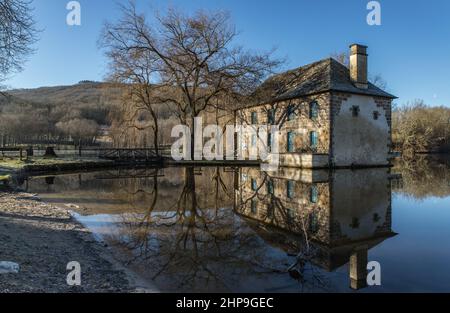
(313, 110)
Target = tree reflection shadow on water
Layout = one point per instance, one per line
(197, 241)
(226, 229)
(240, 229)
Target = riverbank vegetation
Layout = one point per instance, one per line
(15, 164)
(419, 128)
(423, 177)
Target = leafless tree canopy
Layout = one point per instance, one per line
(421, 128)
(17, 34)
(344, 59)
(341, 57)
(187, 62)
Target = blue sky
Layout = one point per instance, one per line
(411, 49)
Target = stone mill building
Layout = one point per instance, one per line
(329, 115)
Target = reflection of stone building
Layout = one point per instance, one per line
(342, 214)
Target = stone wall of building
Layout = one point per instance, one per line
(301, 125)
(360, 130)
(352, 130)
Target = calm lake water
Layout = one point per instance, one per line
(242, 230)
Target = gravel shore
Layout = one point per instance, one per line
(43, 239)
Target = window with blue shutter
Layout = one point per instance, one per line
(254, 140)
(271, 116)
(269, 142)
(270, 187)
(313, 223)
(313, 139)
(313, 110)
(290, 185)
(290, 142)
(254, 118)
(290, 113)
(290, 214)
(270, 211)
(314, 194)
(254, 208)
(254, 184)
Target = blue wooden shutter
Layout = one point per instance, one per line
(254, 185)
(313, 110)
(314, 195)
(254, 118)
(314, 139)
(290, 142)
(290, 189)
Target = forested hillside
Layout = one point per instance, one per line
(81, 113)
(57, 114)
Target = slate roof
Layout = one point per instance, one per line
(321, 76)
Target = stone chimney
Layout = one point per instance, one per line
(358, 65)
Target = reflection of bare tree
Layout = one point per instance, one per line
(424, 176)
(189, 239)
(141, 239)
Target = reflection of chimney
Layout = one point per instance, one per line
(358, 268)
(358, 65)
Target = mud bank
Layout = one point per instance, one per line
(43, 239)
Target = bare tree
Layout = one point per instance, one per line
(17, 34)
(418, 127)
(344, 59)
(187, 62)
(341, 57)
(79, 129)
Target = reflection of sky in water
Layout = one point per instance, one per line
(268, 265)
(418, 259)
(252, 256)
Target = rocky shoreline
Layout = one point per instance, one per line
(43, 239)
